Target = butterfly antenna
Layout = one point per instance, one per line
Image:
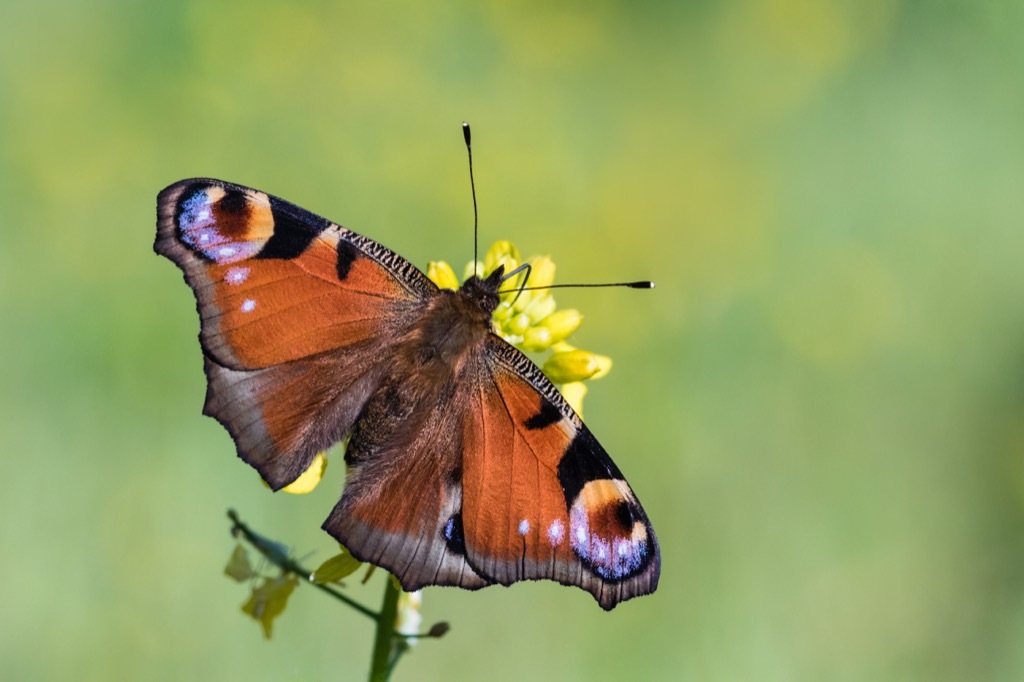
(467, 136)
(644, 284)
(472, 188)
(519, 292)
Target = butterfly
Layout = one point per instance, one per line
(466, 466)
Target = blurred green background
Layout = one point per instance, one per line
(821, 405)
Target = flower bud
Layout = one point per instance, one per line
(517, 325)
(503, 312)
(541, 305)
(522, 300)
(604, 365)
(473, 267)
(573, 392)
(502, 252)
(536, 339)
(574, 365)
(562, 323)
(542, 273)
(441, 274)
(439, 629)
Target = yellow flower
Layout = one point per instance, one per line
(543, 272)
(530, 320)
(571, 365)
(574, 392)
(441, 274)
(536, 339)
(561, 324)
(502, 252)
(310, 478)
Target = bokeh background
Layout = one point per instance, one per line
(821, 405)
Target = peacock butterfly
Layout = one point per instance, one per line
(466, 466)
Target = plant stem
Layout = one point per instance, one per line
(385, 651)
(383, 642)
(286, 563)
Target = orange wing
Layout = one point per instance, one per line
(295, 312)
(541, 499)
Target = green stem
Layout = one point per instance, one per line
(380, 668)
(385, 653)
(286, 563)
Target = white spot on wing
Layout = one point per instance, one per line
(236, 275)
(248, 305)
(556, 532)
(524, 527)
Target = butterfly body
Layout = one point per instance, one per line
(465, 465)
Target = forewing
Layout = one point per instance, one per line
(276, 283)
(295, 313)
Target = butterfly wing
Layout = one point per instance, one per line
(402, 503)
(541, 499)
(295, 313)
